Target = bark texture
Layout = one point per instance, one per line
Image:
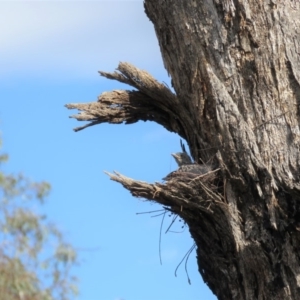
(235, 67)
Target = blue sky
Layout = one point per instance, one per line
(50, 55)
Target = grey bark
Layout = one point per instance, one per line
(235, 67)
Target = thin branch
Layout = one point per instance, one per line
(150, 212)
(185, 256)
(174, 219)
(185, 265)
(159, 244)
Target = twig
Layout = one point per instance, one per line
(203, 175)
(174, 219)
(185, 266)
(149, 212)
(159, 245)
(263, 123)
(185, 256)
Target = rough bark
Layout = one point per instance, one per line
(235, 67)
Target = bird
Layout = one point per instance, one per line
(182, 158)
(186, 167)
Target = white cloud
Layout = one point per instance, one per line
(74, 38)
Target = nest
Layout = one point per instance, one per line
(181, 190)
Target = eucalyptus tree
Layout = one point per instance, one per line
(35, 260)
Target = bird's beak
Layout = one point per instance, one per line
(176, 157)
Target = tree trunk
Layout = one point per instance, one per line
(235, 68)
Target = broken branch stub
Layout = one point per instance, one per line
(177, 193)
(152, 102)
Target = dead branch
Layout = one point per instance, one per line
(152, 102)
(174, 193)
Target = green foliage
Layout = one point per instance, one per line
(35, 260)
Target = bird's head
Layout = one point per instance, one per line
(182, 158)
